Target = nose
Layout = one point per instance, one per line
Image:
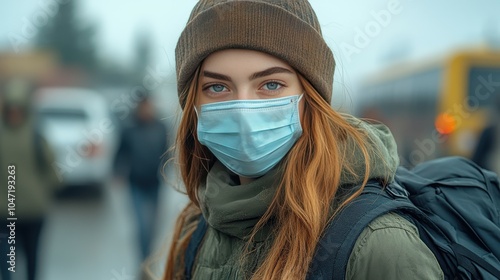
(246, 93)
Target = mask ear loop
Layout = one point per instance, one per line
(300, 97)
(196, 111)
(297, 101)
(297, 108)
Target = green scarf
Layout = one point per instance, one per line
(235, 209)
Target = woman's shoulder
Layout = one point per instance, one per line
(390, 248)
(390, 221)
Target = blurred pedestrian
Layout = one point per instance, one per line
(264, 158)
(24, 150)
(487, 152)
(142, 145)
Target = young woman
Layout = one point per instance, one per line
(264, 157)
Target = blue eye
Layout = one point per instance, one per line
(217, 88)
(272, 86)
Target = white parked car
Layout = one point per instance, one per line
(78, 125)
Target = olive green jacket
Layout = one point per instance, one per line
(34, 183)
(389, 248)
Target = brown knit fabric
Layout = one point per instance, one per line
(287, 29)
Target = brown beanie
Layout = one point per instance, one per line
(287, 29)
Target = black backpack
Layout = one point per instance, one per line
(454, 203)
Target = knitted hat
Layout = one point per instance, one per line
(287, 29)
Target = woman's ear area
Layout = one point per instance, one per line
(302, 105)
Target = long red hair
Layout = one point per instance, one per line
(302, 205)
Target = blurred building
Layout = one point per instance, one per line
(42, 67)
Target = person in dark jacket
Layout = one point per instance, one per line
(487, 152)
(140, 154)
(264, 157)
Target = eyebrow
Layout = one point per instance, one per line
(216, 76)
(270, 71)
(267, 72)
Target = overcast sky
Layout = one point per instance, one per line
(364, 39)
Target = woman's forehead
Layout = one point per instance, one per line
(230, 58)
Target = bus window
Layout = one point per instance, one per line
(484, 84)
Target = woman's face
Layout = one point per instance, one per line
(237, 74)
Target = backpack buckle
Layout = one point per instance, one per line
(395, 190)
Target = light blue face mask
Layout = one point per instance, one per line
(250, 136)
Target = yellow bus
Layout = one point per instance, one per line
(434, 108)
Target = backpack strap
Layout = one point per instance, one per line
(193, 246)
(334, 249)
(465, 257)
